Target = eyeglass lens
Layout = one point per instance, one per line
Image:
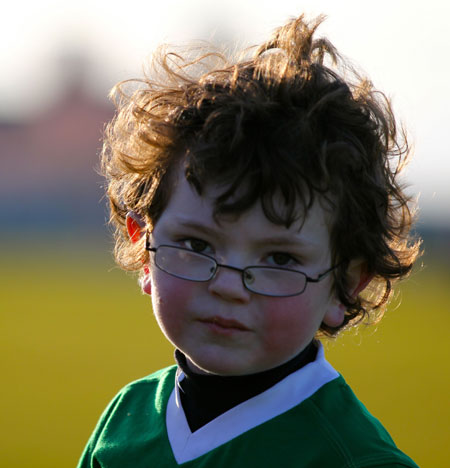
(185, 264)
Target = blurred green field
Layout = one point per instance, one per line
(75, 329)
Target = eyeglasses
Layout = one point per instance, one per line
(267, 281)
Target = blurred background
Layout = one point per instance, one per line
(74, 328)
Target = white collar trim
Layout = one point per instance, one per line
(281, 397)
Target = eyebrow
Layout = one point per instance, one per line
(210, 231)
(287, 242)
(281, 241)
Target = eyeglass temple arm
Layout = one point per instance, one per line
(147, 242)
(322, 275)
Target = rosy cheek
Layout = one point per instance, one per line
(288, 324)
(170, 299)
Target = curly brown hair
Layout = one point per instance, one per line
(295, 120)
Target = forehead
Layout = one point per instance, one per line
(187, 207)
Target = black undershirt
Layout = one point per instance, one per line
(204, 397)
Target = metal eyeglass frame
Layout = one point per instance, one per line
(240, 270)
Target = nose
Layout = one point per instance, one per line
(228, 285)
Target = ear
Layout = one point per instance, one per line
(146, 282)
(135, 226)
(334, 316)
(359, 278)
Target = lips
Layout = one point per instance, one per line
(224, 323)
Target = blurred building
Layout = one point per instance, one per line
(48, 177)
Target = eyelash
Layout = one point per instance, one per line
(187, 240)
(292, 261)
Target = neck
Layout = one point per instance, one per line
(206, 396)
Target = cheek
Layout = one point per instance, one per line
(290, 323)
(169, 299)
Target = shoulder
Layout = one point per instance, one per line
(158, 380)
(136, 411)
(348, 427)
(148, 390)
(139, 398)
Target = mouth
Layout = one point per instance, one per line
(225, 324)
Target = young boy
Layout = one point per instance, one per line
(258, 200)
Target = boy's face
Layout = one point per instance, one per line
(219, 325)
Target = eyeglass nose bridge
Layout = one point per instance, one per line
(242, 271)
(246, 277)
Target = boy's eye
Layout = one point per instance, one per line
(197, 245)
(282, 259)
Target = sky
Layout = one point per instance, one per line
(403, 45)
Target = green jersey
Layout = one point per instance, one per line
(309, 419)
